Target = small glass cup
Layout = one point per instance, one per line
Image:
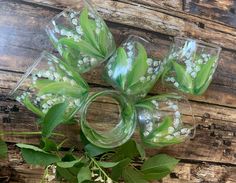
(130, 70)
(118, 134)
(81, 37)
(49, 81)
(161, 120)
(190, 65)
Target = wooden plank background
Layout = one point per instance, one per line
(210, 156)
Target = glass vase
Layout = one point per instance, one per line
(81, 37)
(131, 71)
(161, 119)
(47, 82)
(109, 137)
(191, 65)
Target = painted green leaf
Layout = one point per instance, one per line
(82, 46)
(29, 105)
(158, 166)
(62, 88)
(76, 76)
(182, 77)
(164, 125)
(204, 73)
(140, 65)
(203, 88)
(36, 156)
(40, 83)
(3, 149)
(103, 41)
(84, 174)
(87, 28)
(120, 67)
(132, 175)
(53, 118)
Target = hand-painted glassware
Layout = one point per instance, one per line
(191, 65)
(117, 135)
(50, 81)
(131, 71)
(81, 37)
(161, 120)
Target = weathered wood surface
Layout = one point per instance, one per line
(22, 38)
(15, 171)
(224, 11)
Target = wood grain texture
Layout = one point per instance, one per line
(160, 20)
(224, 11)
(22, 48)
(215, 141)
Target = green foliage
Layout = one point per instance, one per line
(36, 156)
(132, 175)
(84, 174)
(157, 167)
(3, 149)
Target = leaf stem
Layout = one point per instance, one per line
(27, 133)
(98, 166)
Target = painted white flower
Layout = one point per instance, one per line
(142, 79)
(176, 134)
(149, 61)
(169, 137)
(150, 70)
(194, 74)
(80, 62)
(79, 30)
(74, 21)
(146, 133)
(177, 114)
(110, 73)
(176, 84)
(153, 77)
(176, 123)
(156, 63)
(171, 130)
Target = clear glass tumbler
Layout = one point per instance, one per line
(109, 137)
(131, 71)
(191, 65)
(81, 37)
(161, 119)
(50, 81)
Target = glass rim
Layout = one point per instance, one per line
(199, 43)
(86, 2)
(29, 70)
(117, 96)
(131, 36)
